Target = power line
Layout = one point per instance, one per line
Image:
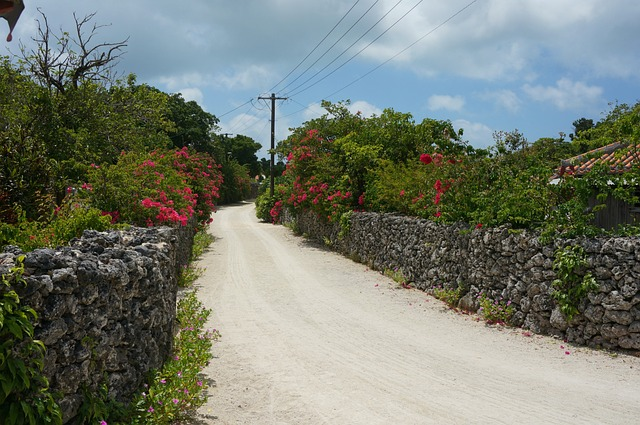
(236, 108)
(356, 54)
(304, 108)
(332, 46)
(316, 47)
(397, 54)
(241, 122)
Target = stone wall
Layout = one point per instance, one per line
(512, 265)
(106, 306)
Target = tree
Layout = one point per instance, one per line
(80, 114)
(26, 171)
(509, 141)
(73, 60)
(580, 126)
(621, 124)
(194, 127)
(243, 149)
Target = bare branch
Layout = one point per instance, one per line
(74, 59)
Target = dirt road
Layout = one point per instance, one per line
(309, 337)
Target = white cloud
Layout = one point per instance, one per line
(505, 99)
(313, 110)
(175, 82)
(449, 103)
(246, 77)
(364, 108)
(566, 94)
(194, 94)
(478, 134)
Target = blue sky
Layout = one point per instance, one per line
(485, 65)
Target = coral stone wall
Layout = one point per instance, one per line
(506, 264)
(106, 306)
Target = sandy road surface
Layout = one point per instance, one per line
(309, 337)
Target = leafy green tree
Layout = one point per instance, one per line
(84, 114)
(337, 122)
(27, 172)
(581, 125)
(243, 149)
(621, 124)
(194, 127)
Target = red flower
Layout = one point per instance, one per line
(426, 158)
(479, 225)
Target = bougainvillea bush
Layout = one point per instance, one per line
(314, 180)
(158, 188)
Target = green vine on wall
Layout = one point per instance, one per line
(24, 390)
(572, 284)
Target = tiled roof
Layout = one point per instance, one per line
(619, 162)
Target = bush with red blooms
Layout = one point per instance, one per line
(158, 188)
(313, 181)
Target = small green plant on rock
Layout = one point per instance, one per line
(398, 276)
(345, 224)
(201, 241)
(572, 284)
(495, 311)
(188, 275)
(449, 296)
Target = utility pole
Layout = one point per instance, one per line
(226, 152)
(273, 136)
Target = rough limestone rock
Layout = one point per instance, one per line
(106, 308)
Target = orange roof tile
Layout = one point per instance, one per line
(619, 162)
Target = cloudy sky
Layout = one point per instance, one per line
(486, 65)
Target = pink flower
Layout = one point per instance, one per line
(176, 401)
(426, 158)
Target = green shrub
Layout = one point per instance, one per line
(496, 311)
(24, 390)
(68, 221)
(449, 296)
(573, 283)
(264, 207)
